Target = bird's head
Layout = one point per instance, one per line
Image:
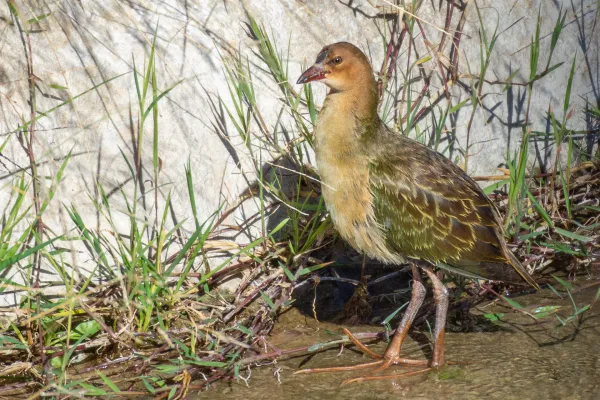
(341, 66)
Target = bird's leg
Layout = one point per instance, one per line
(392, 353)
(440, 294)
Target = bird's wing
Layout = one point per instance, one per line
(430, 209)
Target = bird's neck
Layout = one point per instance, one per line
(346, 122)
(360, 100)
(351, 113)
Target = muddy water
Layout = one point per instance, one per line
(521, 359)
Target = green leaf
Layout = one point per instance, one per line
(532, 235)
(494, 317)
(308, 270)
(513, 303)
(392, 315)
(11, 260)
(18, 344)
(108, 382)
(243, 329)
(88, 328)
(43, 114)
(494, 186)
(566, 284)
(59, 87)
(268, 300)
(319, 346)
(571, 235)
(509, 80)
(38, 18)
(543, 312)
(540, 209)
(583, 309)
(148, 386)
(288, 273)
(569, 85)
(216, 364)
(91, 390)
(554, 290)
(422, 60)
(278, 227)
(458, 106)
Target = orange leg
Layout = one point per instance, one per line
(392, 353)
(440, 294)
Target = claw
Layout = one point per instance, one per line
(338, 369)
(383, 377)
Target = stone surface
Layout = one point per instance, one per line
(81, 44)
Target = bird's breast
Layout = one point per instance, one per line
(346, 190)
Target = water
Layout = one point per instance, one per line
(520, 359)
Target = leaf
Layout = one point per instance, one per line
(108, 382)
(458, 106)
(217, 364)
(288, 273)
(543, 312)
(319, 346)
(554, 290)
(532, 235)
(513, 303)
(562, 321)
(278, 227)
(574, 236)
(168, 369)
(38, 18)
(91, 390)
(509, 80)
(392, 315)
(494, 317)
(566, 284)
(268, 301)
(494, 186)
(43, 114)
(88, 328)
(18, 344)
(582, 309)
(59, 87)
(243, 329)
(540, 209)
(148, 386)
(308, 270)
(11, 260)
(423, 60)
(569, 85)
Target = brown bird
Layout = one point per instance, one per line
(398, 201)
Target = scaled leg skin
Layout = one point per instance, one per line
(392, 353)
(440, 294)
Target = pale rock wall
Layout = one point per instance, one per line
(83, 43)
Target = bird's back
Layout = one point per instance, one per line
(430, 209)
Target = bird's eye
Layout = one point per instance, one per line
(337, 60)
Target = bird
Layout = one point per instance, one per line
(396, 200)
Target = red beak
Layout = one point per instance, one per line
(314, 73)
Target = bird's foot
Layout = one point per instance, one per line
(381, 363)
(384, 377)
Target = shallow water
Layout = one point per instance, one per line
(522, 359)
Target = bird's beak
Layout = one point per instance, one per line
(314, 73)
